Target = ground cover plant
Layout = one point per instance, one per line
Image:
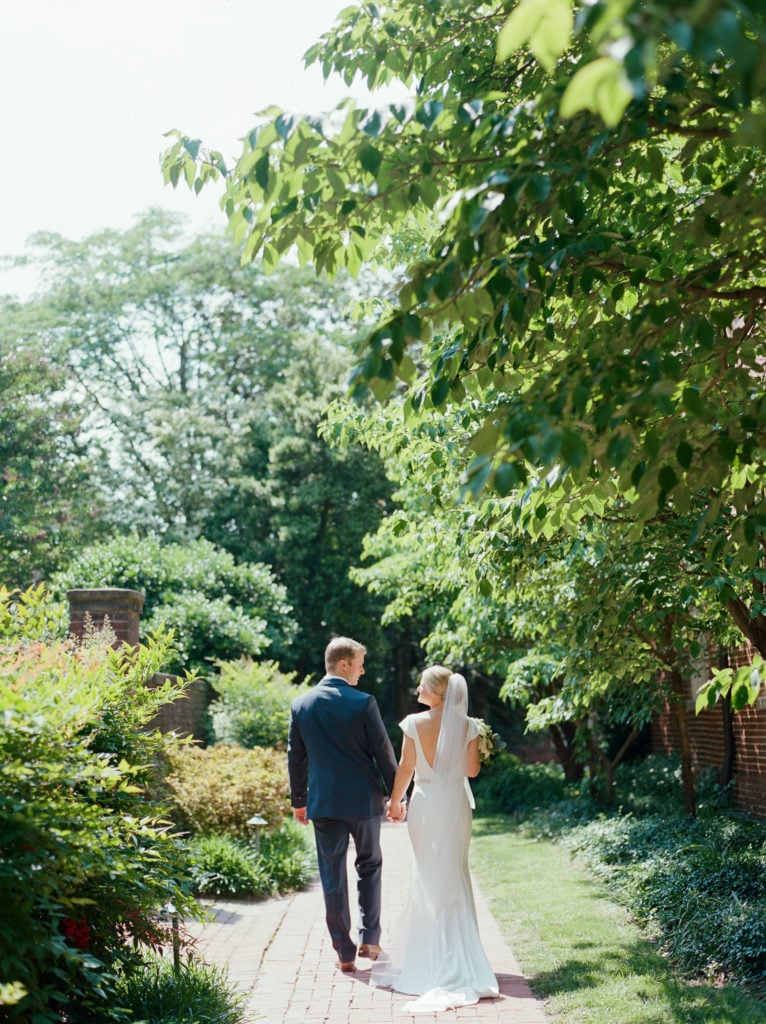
(692, 894)
(577, 945)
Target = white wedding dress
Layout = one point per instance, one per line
(443, 962)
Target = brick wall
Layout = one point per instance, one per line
(706, 732)
(121, 609)
(187, 716)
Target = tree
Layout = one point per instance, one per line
(303, 507)
(591, 270)
(45, 475)
(201, 383)
(596, 277)
(170, 346)
(591, 628)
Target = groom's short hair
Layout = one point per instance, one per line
(340, 648)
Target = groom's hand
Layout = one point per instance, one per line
(397, 812)
(299, 813)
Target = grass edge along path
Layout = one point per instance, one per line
(578, 948)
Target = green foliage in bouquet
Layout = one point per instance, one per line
(490, 743)
(253, 708)
(216, 791)
(86, 858)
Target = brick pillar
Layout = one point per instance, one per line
(121, 607)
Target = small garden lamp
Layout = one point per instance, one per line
(169, 913)
(257, 823)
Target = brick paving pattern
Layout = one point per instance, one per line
(279, 953)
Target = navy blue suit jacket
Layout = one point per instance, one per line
(340, 759)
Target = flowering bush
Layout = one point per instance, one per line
(85, 857)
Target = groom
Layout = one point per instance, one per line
(341, 766)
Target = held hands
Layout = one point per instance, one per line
(396, 811)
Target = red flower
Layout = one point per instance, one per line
(78, 932)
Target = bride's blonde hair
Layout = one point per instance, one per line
(435, 679)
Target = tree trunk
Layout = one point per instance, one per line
(400, 698)
(726, 773)
(563, 741)
(684, 743)
(753, 628)
(612, 765)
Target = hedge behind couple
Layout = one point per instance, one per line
(342, 766)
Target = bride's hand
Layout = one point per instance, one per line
(398, 812)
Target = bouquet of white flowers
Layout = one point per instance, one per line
(489, 742)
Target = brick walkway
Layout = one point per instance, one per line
(279, 953)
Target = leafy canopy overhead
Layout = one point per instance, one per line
(588, 184)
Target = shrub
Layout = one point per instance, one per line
(253, 709)
(216, 790)
(288, 857)
(216, 608)
(653, 785)
(155, 993)
(85, 857)
(704, 892)
(509, 785)
(223, 866)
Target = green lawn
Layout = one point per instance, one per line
(578, 949)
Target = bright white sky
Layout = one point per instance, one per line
(90, 86)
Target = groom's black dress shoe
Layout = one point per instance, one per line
(347, 966)
(370, 950)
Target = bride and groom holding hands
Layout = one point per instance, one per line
(338, 756)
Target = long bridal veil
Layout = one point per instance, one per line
(449, 762)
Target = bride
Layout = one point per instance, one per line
(444, 964)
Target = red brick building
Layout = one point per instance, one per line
(732, 744)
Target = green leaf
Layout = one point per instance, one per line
(553, 33)
(192, 147)
(692, 401)
(601, 87)
(372, 124)
(439, 391)
(667, 478)
(684, 454)
(371, 159)
(261, 171)
(545, 24)
(506, 478)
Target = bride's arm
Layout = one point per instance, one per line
(473, 764)
(403, 777)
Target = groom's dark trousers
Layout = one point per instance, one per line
(342, 766)
(332, 837)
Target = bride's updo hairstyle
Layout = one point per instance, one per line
(435, 679)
